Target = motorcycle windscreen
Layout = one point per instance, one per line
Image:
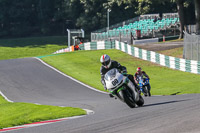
(110, 74)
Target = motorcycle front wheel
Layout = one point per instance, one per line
(128, 100)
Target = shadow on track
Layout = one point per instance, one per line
(161, 103)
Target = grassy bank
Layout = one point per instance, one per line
(14, 114)
(85, 66)
(29, 47)
(176, 52)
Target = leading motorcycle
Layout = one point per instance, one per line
(119, 85)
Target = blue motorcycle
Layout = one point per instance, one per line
(145, 86)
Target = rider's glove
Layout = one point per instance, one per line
(124, 71)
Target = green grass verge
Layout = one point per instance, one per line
(85, 66)
(14, 114)
(176, 52)
(29, 47)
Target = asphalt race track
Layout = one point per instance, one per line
(29, 80)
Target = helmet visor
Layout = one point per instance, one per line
(105, 63)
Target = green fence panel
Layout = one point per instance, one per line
(107, 44)
(82, 46)
(120, 46)
(198, 67)
(133, 51)
(140, 53)
(167, 62)
(188, 66)
(177, 63)
(93, 45)
(157, 58)
(148, 55)
(126, 48)
(112, 44)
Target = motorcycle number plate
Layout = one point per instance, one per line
(115, 82)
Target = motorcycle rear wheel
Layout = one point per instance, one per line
(141, 101)
(148, 90)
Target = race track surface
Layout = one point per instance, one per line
(28, 80)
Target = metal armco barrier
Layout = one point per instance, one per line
(98, 45)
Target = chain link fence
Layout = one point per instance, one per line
(191, 49)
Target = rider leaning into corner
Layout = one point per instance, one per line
(108, 64)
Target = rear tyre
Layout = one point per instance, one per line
(148, 88)
(149, 93)
(145, 91)
(141, 101)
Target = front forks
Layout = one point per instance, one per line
(134, 91)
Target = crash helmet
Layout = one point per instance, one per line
(139, 69)
(105, 61)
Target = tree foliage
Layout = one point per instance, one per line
(166, 6)
(197, 13)
(51, 17)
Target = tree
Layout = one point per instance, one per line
(197, 13)
(158, 6)
(20, 19)
(94, 15)
(52, 17)
(180, 8)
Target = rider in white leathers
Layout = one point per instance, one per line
(108, 64)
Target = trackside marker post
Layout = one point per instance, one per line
(164, 38)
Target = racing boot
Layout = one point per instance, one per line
(111, 96)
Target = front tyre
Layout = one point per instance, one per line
(128, 100)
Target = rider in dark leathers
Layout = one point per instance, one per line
(108, 64)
